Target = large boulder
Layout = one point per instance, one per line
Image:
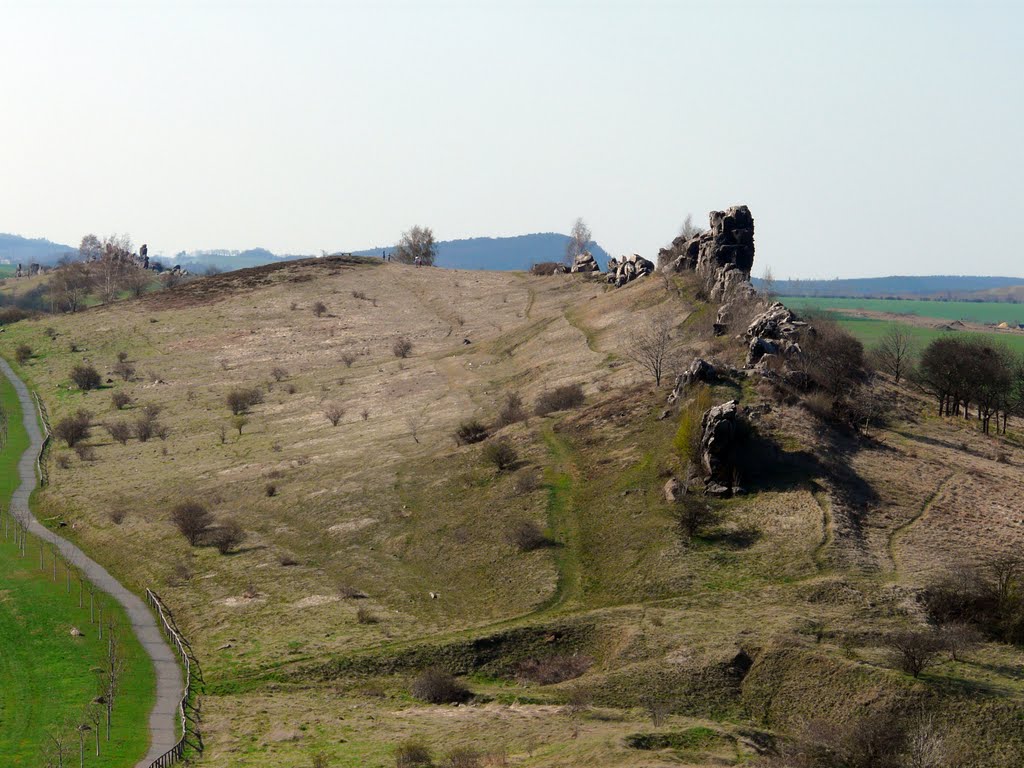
(699, 370)
(776, 322)
(719, 434)
(585, 262)
(622, 271)
(727, 243)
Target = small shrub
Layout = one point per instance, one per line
(914, 651)
(122, 356)
(348, 358)
(73, 429)
(278, 373)
(402, 347)
(117, 515)
(85, 452)
(334, 414)
(526, 482)
(270, 490)
(512, 411)
(545, 268)
(365, 413)
(462, 757)
(359, 295)
(291, 389)
(319, 760)
(120, 399)
(469, 432)
(63, 461)
(144, 428)
(527, 536)
(435, 686)
(241, 399)
(124, 369)
(227, 536)
(319, 309)
(413, 754)
(86, 377)
(348, 592)
(11, 315)
(501, 454)
(287, 561)
(51, 333)
(192, 520)
(553, 669)
(559, 399)
(120, 431)
(691, 414)
(693, 515)
(239, 422)
(366, 616)
(22, 353)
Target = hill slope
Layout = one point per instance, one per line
(503, 253)
(23, 250)
(380, 547)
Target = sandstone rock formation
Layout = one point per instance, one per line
(776, 331)
(673, 490)
(722, 256)
(699, 370)
(585, 262)
(621, 271)
(719, 433)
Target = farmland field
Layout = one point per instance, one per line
(869, 331)
(968, 311)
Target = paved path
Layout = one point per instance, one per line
(163, 720)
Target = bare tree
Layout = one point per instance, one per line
(91, 248)
(579, 239)
(652, 348)
(768, 289)
(417, 246)
(689, 229)
(894, 351)
(415, 422)
(334, 412)
(70, 285)
(192, 519)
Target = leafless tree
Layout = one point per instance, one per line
(768, 289)
(70, 285)
(415, 422)
(689, 229)
(579, 239)
(894, 351)
(334, 412)
(91, 248)
(192, 519)
(652, 348)
(416, 243)
(402, 347)
(914, 651)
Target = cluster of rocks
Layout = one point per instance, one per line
(773, 339)
(722, 256)
(585, 262)
(31, 271)
(719, 432)
(139, 260)
(622, 271)
(700, 370)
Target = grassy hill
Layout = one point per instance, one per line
(380, 547)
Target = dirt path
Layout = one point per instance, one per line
(163, 719)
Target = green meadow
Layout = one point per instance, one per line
(47, 676)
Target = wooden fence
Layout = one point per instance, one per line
(188, 707)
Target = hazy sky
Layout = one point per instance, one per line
(867, 138)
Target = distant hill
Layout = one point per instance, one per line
(501, 253)
(226, 260)
(22, 250)
(895, 286)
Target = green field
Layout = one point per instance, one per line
(870, 331)
(6, 270)
(968, 311)
(48, 677)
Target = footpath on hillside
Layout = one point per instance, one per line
(163, 719)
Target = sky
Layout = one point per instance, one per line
(868, 138)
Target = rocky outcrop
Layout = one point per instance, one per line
(719, 435)
(673, 490)
(699, 370)
(722, 256)
(774, 332)
(622, 271)
(585, 262)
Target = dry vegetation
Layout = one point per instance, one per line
(533, 556)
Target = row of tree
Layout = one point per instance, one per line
(968, 375)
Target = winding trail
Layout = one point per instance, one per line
(163, 719)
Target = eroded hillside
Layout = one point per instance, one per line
(380, 547)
